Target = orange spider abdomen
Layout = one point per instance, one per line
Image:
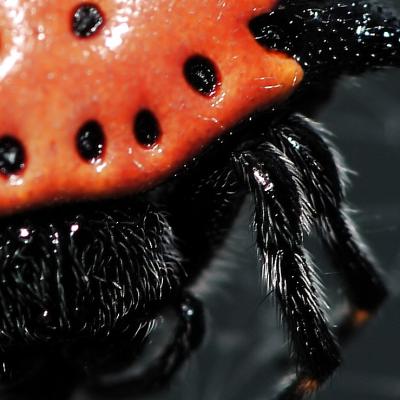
(116, 106)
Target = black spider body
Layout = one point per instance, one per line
(157, 243)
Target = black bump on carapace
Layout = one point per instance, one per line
(87, 20)
(329, 38)
(12, 155)
(146, 128)
(90, 141)
(201, 74)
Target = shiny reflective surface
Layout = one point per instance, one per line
(52, 81)
(323, 37)
(87, 20)
(202, 75)
(90, 141)
(146, 128)
(12, 156)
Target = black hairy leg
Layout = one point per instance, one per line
(281, 219)
(306, 144)
(321, 174)
(297, 182)
(187, 337)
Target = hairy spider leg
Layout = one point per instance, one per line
(211, 197)
(296, 179)
(306, 144)
(319, 169)
(280, 220)
(188, 336)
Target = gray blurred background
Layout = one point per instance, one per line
(239, 360)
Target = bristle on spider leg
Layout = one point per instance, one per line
(287, 270)
(323, 174)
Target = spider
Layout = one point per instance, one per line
(131, 136)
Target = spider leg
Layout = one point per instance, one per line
(303, 142)
(296, 180)
(188, 336)
(280, 219)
